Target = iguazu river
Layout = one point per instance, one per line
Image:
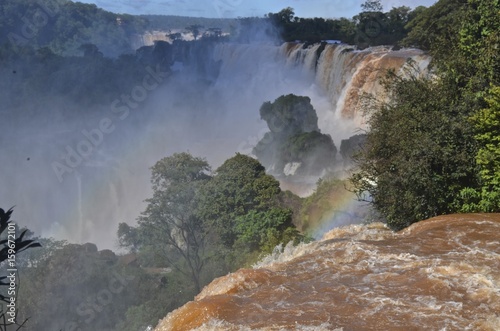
(439, 274)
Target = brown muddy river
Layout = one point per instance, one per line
(439, 274)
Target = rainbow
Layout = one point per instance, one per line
(339, 208)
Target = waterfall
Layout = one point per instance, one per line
(341, 72)
(345, 74)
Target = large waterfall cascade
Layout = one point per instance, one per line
(345, 73)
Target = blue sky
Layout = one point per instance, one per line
(243, 8)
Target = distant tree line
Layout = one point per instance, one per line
(171, 22)
(63, 26)
(371, 27)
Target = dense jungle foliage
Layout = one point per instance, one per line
(433, 148)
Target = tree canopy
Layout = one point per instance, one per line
(195, 218)
(417, 155)
(371, 27)
(486, 197)
(170, 218)
(432, 148)
(240, 185)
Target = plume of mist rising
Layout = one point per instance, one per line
(211, 113)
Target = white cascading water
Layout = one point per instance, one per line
(345, 74)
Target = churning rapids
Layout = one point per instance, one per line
(439, 274)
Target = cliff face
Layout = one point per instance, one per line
(438, 274)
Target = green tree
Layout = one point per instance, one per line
(372, 28)
(478, 74)
(165, 292)
(282, 19)
(286, 15)
(129, 237)
(35, 257)
(64, 25)
(436, 29)
(347, 30)
(79, 287)
(170, 220)
(397, 19)
(422, 157)
(254, 228)
(486, 198)
(240, 185)
(418, 155)
(478, 47)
